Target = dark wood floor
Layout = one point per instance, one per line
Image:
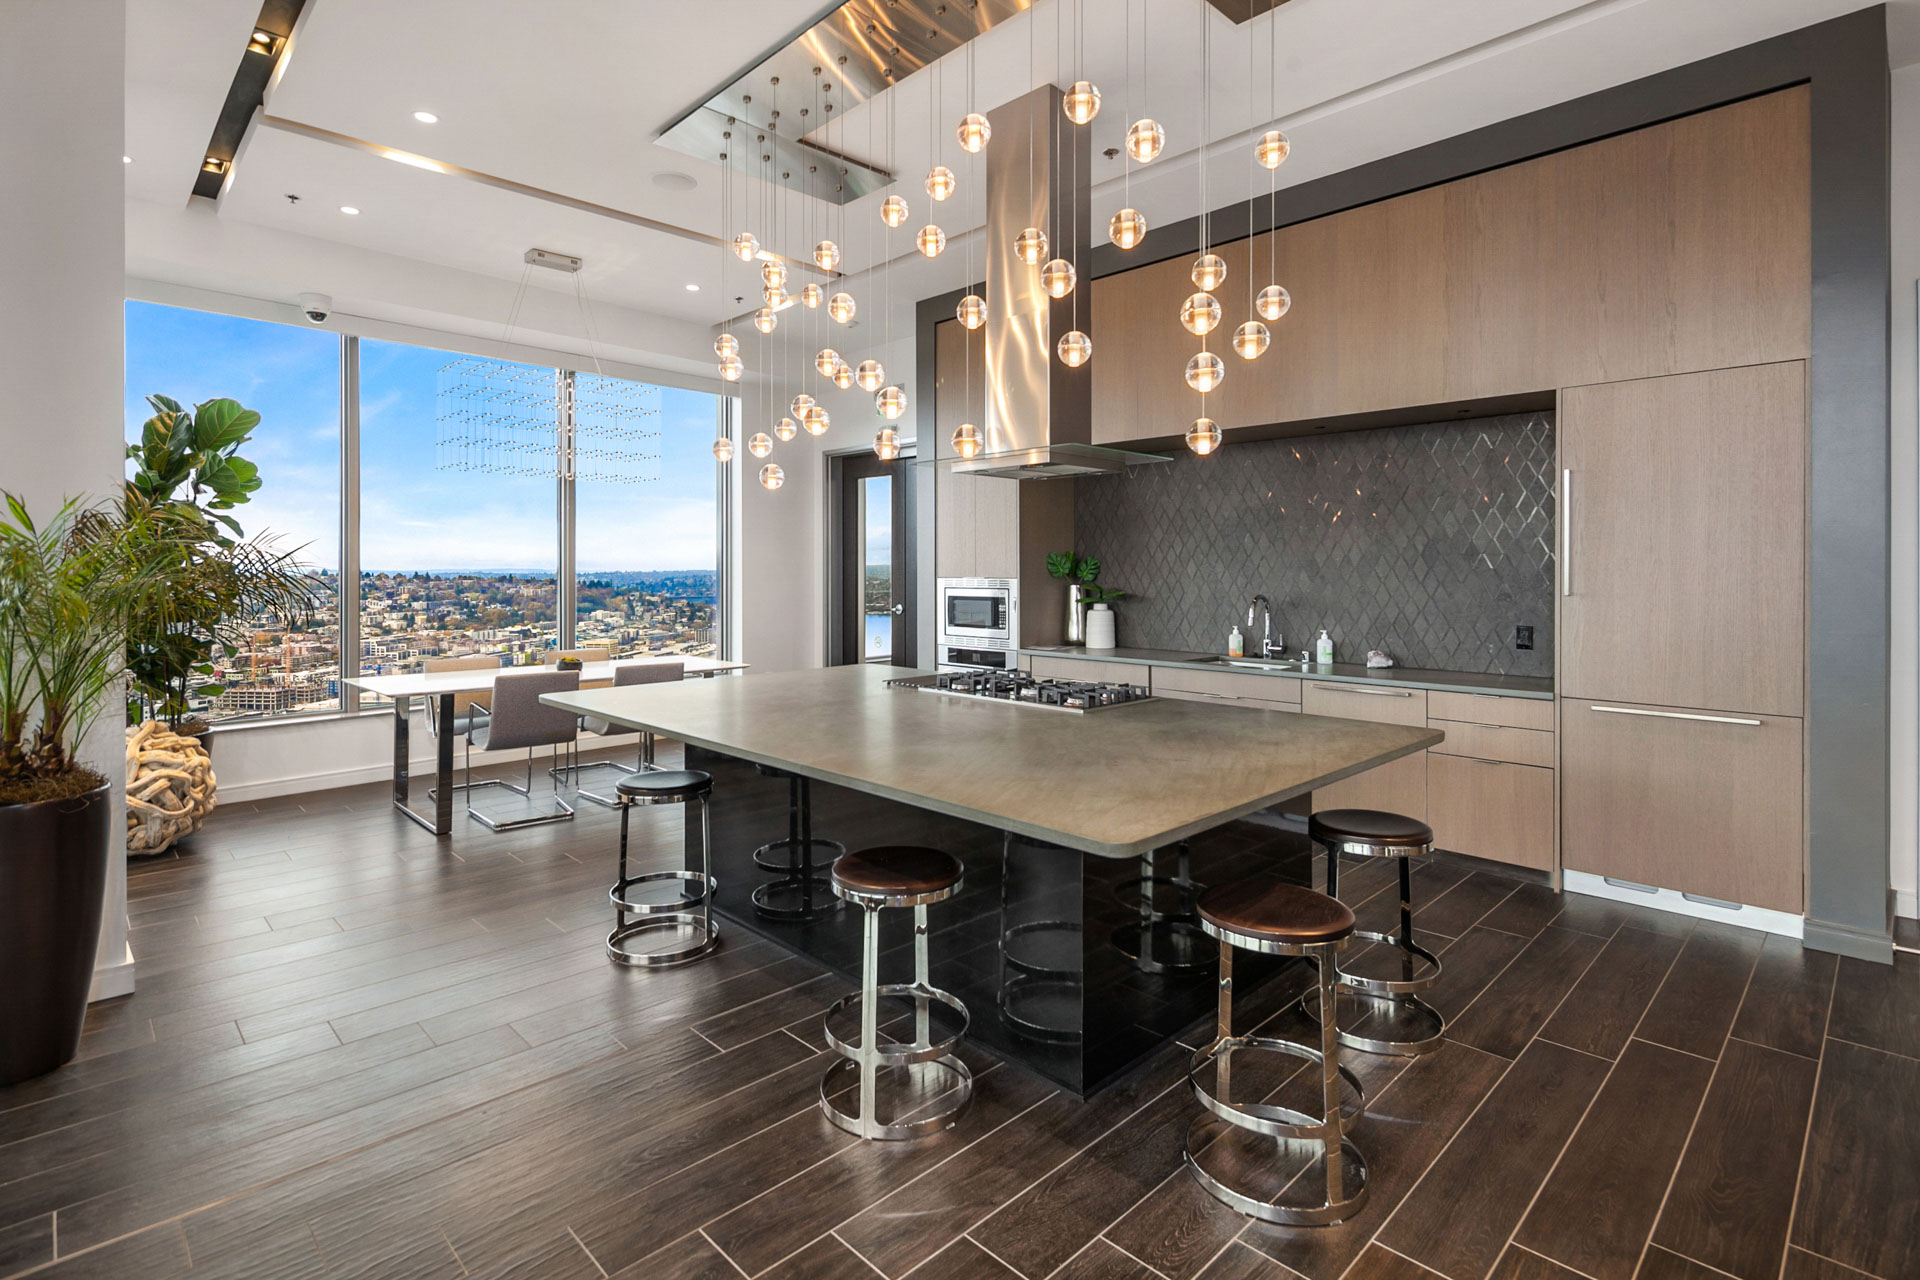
(356, 1051)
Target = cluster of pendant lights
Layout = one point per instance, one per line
(1200, 313)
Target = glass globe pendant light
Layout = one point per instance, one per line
(886, 444)
(840, 307)
(871, 375)
(1273, 302)
(973, 133)
(842, 374)
(1203, 437)
(826, 255)
(726, 345)
(723, 449)
(930, 241)
(893, 211)
(759, 444)
(1272, 150)
(826, 361)
(1205, 372)
(1031, 246)
(772, 294)
(773, 273)
(766, 319)
(941, 182)
(1200, 314)
(1057, 278)
(1075, 349)
(815, 421)
(972, 311)
(1209, 269)
(801, 403)
(891, 402)
(811, 296)
(786, 429)
(1250, 340)
(1127, 228)
(1145, 138)
(966, 440)
(731, 368)
(1082, 102)
(772, 477)
(745, 246)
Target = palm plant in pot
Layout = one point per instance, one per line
(67, 587)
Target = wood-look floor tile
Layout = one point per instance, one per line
(1788, 998)
(1598, 1208)
(1518, 1264)
(1238, 1262)
(1381, 1263)
(1860, 1182)
(691, 1257)
(1604, 1007)
(1468, 964)
(1463, 905)
(824, 1259)
(158, 1253)
(1663, 1264)
(1525, 911)
(1906, 932)
(1518, 1003)
(1802, 1265)
(558, 1257)
(964, 1260)
(1101, 1261)
(1697, 1003)
(26, 1244)
(1733, 1194)
(808, 997)
(1604, 916)
(1878, 1005)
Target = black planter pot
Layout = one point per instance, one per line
(53, 870)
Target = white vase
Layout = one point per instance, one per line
(1100, 627)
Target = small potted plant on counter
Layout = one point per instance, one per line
(1082, 575)
(68, 586)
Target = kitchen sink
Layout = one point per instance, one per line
(1260, 664)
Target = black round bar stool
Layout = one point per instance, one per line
(693, 909)
(1163, 941)
(1407, 1026)
(802, 892)
(1275, 918)
(876, 880)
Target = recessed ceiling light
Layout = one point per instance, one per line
(426, 117)
(674, 180)
(126, 159)
(693, 288)
(347, 208)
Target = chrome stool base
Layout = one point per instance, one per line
(772, 856)
(900, 1053)
(1167, 944)
(1207, 1132)
(701, 882)
(1412, 1027)
(951, 1068)
(693, 909)
(802, 898)
(707, 928)
(1269, 1118)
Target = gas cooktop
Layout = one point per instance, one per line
(1024, 690)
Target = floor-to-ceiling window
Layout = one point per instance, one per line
(267, 664)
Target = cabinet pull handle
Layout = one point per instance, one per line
(1566, 532)
(1376, 693)
(1680, 715)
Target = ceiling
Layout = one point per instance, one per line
(568, 96)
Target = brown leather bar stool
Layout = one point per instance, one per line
(1411, 1025)
(1275, 918)
(693, 909)
(874, 880)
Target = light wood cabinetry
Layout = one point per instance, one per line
(1045, 668)
(1492, 708)
(1495, 742)
(1491, 810)
(1228, 686)
(1683, 581)
(1678, 247)
(1710, 806)
(976, 519)
(1399, 786)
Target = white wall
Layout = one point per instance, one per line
(63, 212)
(1904, 688)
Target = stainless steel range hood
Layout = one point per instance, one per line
(1039, 411)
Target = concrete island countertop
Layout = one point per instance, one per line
(1335, 673)
(1115, 782)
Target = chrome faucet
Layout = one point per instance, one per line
(1270, 641)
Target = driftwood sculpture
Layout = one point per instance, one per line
(170, 787)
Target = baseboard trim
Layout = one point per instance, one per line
(111, 980)
(1845, 940)
(1906, 905)
(1780, 922)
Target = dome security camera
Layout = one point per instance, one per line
(316, 306)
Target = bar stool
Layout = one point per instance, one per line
(694, 908)
(873, 880)
(803, 892)
(1275, 918)
(1413, 1026)
(633, 673)
(1163, 941)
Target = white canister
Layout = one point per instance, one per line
(1100, 627)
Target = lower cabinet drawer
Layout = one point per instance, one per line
(1489, 809)
(1223, 699)
(1398, 786)
(1495, 742)
(1174, 681)
(1365, 702)
(1090, 669)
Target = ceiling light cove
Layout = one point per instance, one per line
(426, 117)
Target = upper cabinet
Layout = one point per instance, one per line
(1683, 526)
(1678, 247)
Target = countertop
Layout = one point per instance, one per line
(1335, 673)
(1115, 782)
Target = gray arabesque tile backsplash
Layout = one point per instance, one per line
(1431, 542)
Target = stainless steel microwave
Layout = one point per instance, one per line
(979, 613)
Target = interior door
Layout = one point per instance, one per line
(874, 550)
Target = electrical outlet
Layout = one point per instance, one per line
(1523, 637)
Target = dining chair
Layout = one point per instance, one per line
(516, 720)
(631, 674)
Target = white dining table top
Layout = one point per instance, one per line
(417, 684)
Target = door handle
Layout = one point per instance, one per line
(898, 609)
(1372, 693)
(1566, 531)
(1680, 715)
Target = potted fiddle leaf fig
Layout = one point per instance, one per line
(68, 585)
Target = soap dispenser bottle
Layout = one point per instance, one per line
(1323, 649)
(1236, 645)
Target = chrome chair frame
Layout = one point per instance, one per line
(1344, 1190)
(623, 678)
(678, 914)
(484, 720)
(1420, 969)
(866, 1057)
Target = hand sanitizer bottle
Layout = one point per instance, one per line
(1323, 649)
(1236, 646)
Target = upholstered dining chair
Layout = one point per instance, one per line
(517, 720)
(631, 674)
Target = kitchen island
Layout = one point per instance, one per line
(1085, 835)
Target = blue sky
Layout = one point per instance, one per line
(413, 515)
